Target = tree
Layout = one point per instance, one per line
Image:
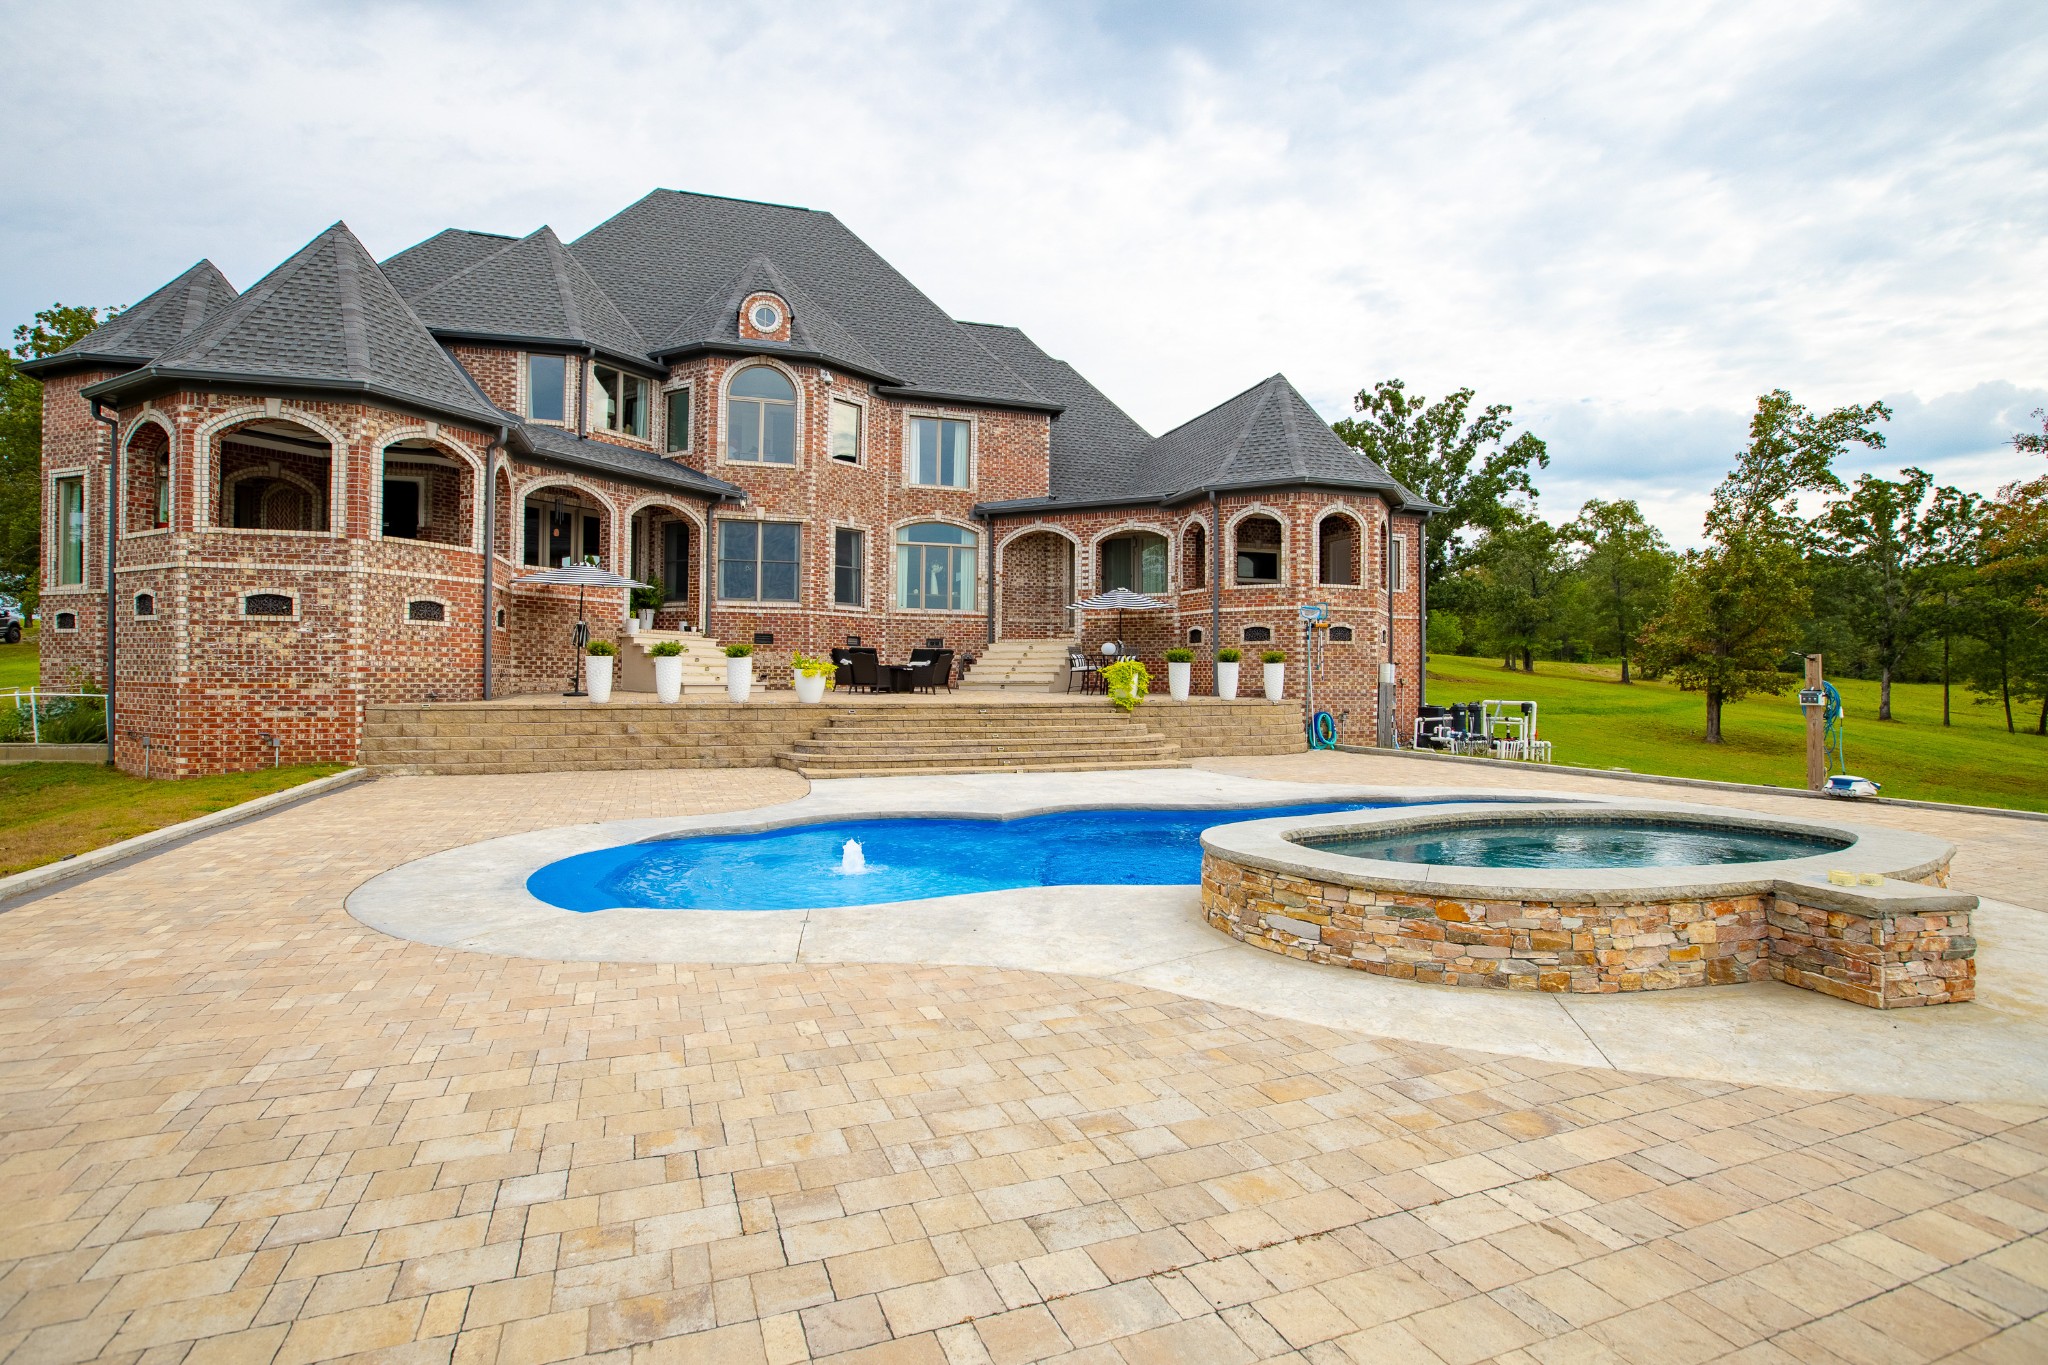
(2009, 607)
(21, 444)
(1883, 538)
(1627, 570)
(1736, 605)
(2035, 442)
(1949, 569)
(1462, 463)
(1521, 579)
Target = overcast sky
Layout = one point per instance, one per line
(1625, 220)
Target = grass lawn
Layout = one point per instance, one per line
(50, 811)
(1647, 727)
(18, 664)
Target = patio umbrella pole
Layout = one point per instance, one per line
(578, 638)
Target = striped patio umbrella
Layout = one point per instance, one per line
(579, 577)
(1120, 600)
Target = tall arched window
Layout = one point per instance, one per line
(1258, 550)
(1337, 556)
(1196, 539)
(760, 417)
(935, 567)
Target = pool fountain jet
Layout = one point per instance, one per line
(852, 862)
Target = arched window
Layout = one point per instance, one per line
(1337, 550)
(935, 567)
(760, 417)
(148, 469)
(1196, 573)
(1258, 550)
(1135, 560)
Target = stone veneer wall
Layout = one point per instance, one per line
(1883, 960)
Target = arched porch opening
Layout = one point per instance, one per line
(1194, 570)
(663, 551)
(273, 475)
(564, 524)
(1037, 587)
(1337, 550)
(425, 493)
(146, 480)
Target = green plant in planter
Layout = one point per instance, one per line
(739, 651)
(601, 649)
(667, 649)
(1179, 654)
(1229, 656)
(1273, 656)
(1128, 682)
(812, 667)
(650, 597)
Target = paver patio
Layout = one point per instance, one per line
(235, 1124)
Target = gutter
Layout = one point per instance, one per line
(545, 345)
(979, 400)
(490, 501)
(113, 425)
(780, 350)
(1215, 586)
(1018, 505)
(988, 524)
(143, 379)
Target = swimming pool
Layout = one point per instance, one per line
(798, 868)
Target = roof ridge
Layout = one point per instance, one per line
(558, 255)
(354, 344)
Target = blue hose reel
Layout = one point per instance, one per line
(1322, 731)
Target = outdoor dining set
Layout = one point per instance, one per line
(860, 668)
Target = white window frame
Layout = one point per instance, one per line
(897, 585)
(1397, 566)
(798, 415)
(860, 431)
(718, 562)
(866, 568)
(973, 425)
(626, 376)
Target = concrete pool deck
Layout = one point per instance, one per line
(474, 898)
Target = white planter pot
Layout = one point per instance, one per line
(1276, 681)
(1226, 679)
(647, 618)
(1178, 678)
(668, 677)
(632, 624)
(739, 678)
(597, 676)
(810, 687)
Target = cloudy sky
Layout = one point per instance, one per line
(1625, 220)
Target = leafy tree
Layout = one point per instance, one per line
(1462, 462)
(1949, 569)
(21, 443)
(1522, 581)
(1736, 605)
(2009, 609)
(1883, 538)
(2033, 441)
(1627, 571)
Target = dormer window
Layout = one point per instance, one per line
(620, 399)
(765, 316)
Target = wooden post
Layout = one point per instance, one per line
(1816, 731)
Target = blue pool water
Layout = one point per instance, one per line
(798, 868)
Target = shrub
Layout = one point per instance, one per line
(1128, 682)
(650, 597)
(667, 649)
(62, 720)
(1229, 656)
(739, 651)
(1180, 654)
(601, 649)
(1273, 656)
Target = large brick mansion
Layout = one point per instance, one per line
(321, 494)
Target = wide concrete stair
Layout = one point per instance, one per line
(703, 662)
(923, 736)
(1019, 666)
(869, 741)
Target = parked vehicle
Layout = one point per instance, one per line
(11, 621)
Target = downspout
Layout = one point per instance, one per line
(988, 522)
(1387, 575)
(583, 392)
(113, 425)
(491, 549)
(1215, 589)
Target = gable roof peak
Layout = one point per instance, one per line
(530, 290)
(147, 328)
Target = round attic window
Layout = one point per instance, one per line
(766, 316)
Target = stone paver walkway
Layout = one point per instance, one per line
(237, 1125)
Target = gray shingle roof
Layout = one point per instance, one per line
(671, 257)
(602, 457)
(423, 265)
(1266, 437)
(531, 291)
(325, 319)
(139, 334)
(811, 329)
(1095, 443)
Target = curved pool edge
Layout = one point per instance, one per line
(1584, 931)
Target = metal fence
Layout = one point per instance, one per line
(34, 699)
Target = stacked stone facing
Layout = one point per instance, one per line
(1883, 960)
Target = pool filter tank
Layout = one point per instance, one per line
(1387, 737)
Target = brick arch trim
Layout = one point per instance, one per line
(1149, 528)
(1362, 548)
(446, 446)
(211, 432)
(522, 491)
(1237, 519)
(158, 418)
(803, 399)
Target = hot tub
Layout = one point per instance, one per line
(1611, 898)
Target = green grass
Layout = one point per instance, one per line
(50, 811)
(18, 663)
(1647, 727)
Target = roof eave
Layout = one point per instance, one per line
(1055, 504)
(770, 348)
(523, 448)
(152, 380)
(979, 400)
(65, 362)
(550, 344)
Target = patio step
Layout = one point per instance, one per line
(1019, 666)
(703, 662)
(869, 741)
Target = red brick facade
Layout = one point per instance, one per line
(211, 683)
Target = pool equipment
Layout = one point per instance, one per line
(1841, 782)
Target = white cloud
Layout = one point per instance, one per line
(1625, 220)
